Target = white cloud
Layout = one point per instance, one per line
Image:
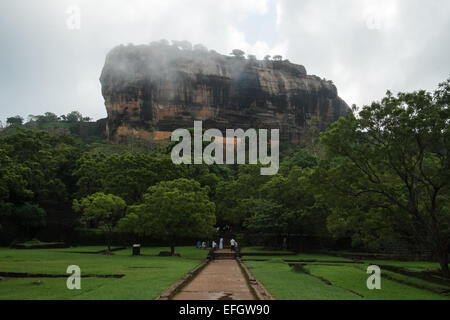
(367, 47)
(380, 14)
(237, 39)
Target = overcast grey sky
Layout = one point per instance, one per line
(364, 46)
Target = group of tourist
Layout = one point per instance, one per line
(212, 244)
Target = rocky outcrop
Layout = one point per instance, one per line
(151, 90)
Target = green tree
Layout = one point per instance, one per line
(29, 218)
(44, 119)
(301, 158)
(14, 121)
(89, 174)
(230, 194)
(74, 117)
(227, 199)
(277, 58)
(178, 209)
(104, 210)
(137, 221)
(238, 53)
(13, 185)
(313, 128)
(299, 196)
(370, 221)
(398, 153)
(126, 175)
(266, 218)
(49, 159)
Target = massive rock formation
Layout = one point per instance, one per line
(151, 90)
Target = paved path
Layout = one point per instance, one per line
(219, 280)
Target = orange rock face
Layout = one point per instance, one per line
(151, 90)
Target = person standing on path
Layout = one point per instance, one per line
(221, 244)
(233, 244)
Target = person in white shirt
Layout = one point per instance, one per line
(221, 244)
(233, 244)
(214, 245)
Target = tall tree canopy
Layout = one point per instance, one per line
(180, 209)
(126, 175)
(102, 210)
(394, 162)
(49, 160)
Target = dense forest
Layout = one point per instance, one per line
(377, 178)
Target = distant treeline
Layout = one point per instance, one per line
(72, 124)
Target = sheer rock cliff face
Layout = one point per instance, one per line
(151, 90)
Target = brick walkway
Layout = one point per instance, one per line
(221, 279)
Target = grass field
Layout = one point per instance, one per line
(262, 250)
(348, 279)
(146, 276)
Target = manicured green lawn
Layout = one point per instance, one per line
(408, 265)
(146, 276)
(37, 243)
(354, 277)
(83, 249)
(283, 282)
(298, 257)
(289, 256)
(262, 250)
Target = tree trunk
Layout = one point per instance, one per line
(441, 246)
(443, 261)
(172, 249)
(108, 240)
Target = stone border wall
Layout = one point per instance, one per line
(177, 286)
